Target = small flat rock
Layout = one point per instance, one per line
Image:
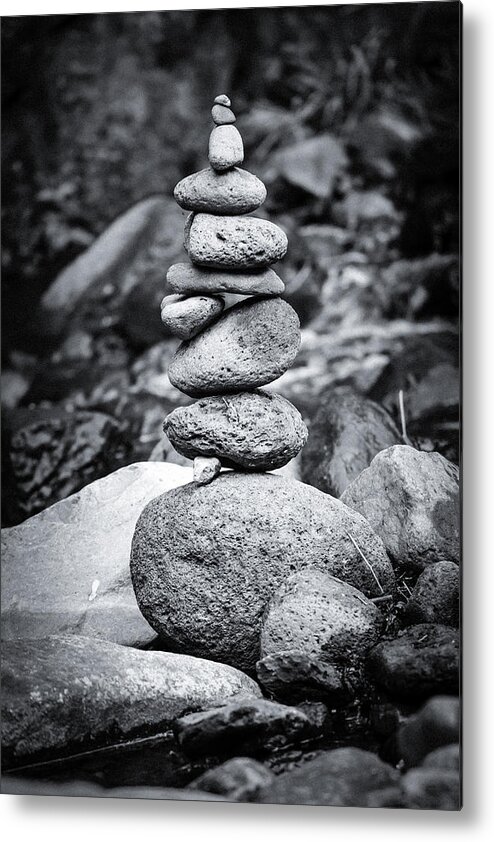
(187, 278)
(186, 316)
(436, 595)
(252, 430)
(241, 779)
(248, 346)
(314, 612)
(67, 568)
(435, 725)
(292, 676)
(234, 242)
(411, 499)
(422, 660)
(227, 193)
(66, 693)
(222, 114)
(342, 777)
(345, 435)
(222, 99)
(243, 727)
(226, 148)
(206, 470)
(206, 559)
(445, 757)
(431, 789)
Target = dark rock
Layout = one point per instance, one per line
(436, 724)
(244, 727)
(187, 278)
(345, 435)
(186, 316)
(66, 693)
(422, 660)
(205, 560)
(411, 500)
(431, 789)
(445, 757)
(253, 430)
(229, 193)
(240, 778)
(435, 597)
(292, 676)
(234, 242)
(317, 713)
(248, 346)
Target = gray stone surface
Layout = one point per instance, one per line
(234, 242)
(436, 595)
(253, 430)
(185, 316)
(431, 789)
(411, 499)
(241, 779)
(436, 724)
(228, 193)
(187, 278)
(445, 757)
(67, 569)
(222, 114)
(205, 560)
(66, 693)
(226, 148)
(292, 675)
(248, 346)
(206, 470)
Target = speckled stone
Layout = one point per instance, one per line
(226, 148)
(250, 345)
(221, 114)
(205, 470)
(234, 242)
(187, 278)
(186, 316)
(222, 99)
(228, 193)
(253, 430)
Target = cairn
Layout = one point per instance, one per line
(230, 351)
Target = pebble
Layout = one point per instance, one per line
(431, 789)
(445, 757)
(205, 470)
(293, 676)
(240, 778)
(436, 724)
(222, 99)
(186, 278)
(435, 597)
(222, 114)
(226, 148)
(234, 242)
(228, 193)
(250, 345)
(253, 430)
(187, 316)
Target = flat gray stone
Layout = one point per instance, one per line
(225, 193)
(226, 148)
(186, 316)
(206, 559)
(234, 242)
(222, 114)
(187, 278)
(248, 346)
(253, 430)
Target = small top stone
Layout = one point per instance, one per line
(222, 115)
(223, 99)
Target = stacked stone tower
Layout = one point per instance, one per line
(227, 354)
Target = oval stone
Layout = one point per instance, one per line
(226, 148)
(222, 99)
(250, 345)
(206, 559)
(235, 242)
(232, 192)
(187, 278)
(253, 430)
(221, 114)
(186, 316)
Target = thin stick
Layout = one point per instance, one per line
(369, 565)
(403, 419)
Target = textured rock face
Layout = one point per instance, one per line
(184, 317)
(294, 676)
(250, 345)
(67, 569)
(224, 193)
(252, 430)
(345, 435)
(240, 778)
(67, 692)
(226, 148)
(411, 500)
(235, 242)
(435, 597)
(313, 612)
(205, 560)
(436, 724)
(186, 278)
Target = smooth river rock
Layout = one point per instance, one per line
(226, 148)
(67, 693)
(227, 193)
(185, 316)
(436, 596)
(254, 430)
(234, 242)
(206, 559)
(248, 346)
(187, 278)
(411, 499)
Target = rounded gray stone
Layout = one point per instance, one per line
(436, 595)
(234, 242)
(253, 430)
(185, 316)
(226, 148)
(314, 612)
(187, 278)
(227, 193)
(435, 725)
(222, 114)
(206, 559)
(250, 345)
(222, 99)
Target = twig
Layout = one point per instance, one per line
(403, 419)
(369, 565)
